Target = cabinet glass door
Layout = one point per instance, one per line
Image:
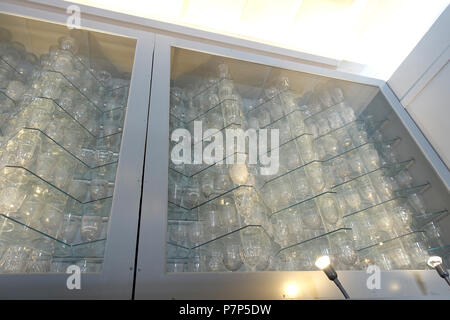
(270, 169)
(63, 98)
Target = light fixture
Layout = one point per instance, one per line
(435, 262)
(324, 264)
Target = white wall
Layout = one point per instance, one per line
(422, 84)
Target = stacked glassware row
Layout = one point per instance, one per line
(340, 188)
(61, 125)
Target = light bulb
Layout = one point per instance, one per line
(239, 173)
(434, 261)
(291, 290)
(322, 262)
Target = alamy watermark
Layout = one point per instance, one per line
(74, 19)
(208, 147)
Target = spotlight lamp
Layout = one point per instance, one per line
(323, 263)
(435, 262)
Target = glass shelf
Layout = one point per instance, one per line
(336, 244)
(10, 224)
(76, 140)
(63, 105)
(399, 194)
(27, 250)
(337, 162)
(214, 197)
(407, 251)
(82, 78)
(328, 162)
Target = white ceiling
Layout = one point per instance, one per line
(376, 33)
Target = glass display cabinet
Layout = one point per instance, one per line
(63, 118)
(268, 169)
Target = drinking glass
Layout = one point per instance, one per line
(223, 71)
(322, 125)
(344, 250)
(370, 157)
(384, 219)
(417, 202)
(296, 123)
(290, 158)
(418, 253)
(404, 179)
(384, 185)
(324, 96)
(191, 195)
(351, 196)
(50, 84)
(78, 189)
(197, 262)
(398, 255)
(206, 179)
(70, 227)
(98, 188)
(91, 227)
(63, 172)
(13, 192)
(245, 199)
(213, 219)
(39, 262)
(294, 224)
(315, 178)
(197, 233)
(26, 147)
(179, 232)
(434, 234)
(176, 187)
(231, 111)
(346, 112)
(337, 94)
(344, 140)
(367, 191)
(263, 116)
(334, 119)
(68, 43)
(310, 215)
(215, 120)
(284, 130)
(15, 89)
(51, 220)
(329, 209)
(214, 260)
(239, 173)
(62, 61)
(103, 155)
(281, 192)
(330, 146)
(358, 133)
(39, 113)
(300, 186)
(342, 171)
(176, 266)
(254, 243)
(402, 215)
(228, 212)
(355, 162)
(306, 148)
(280, 229)
(14, 259)
(232, 255)
(225, 89)
(311, 127)
(30, 211)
